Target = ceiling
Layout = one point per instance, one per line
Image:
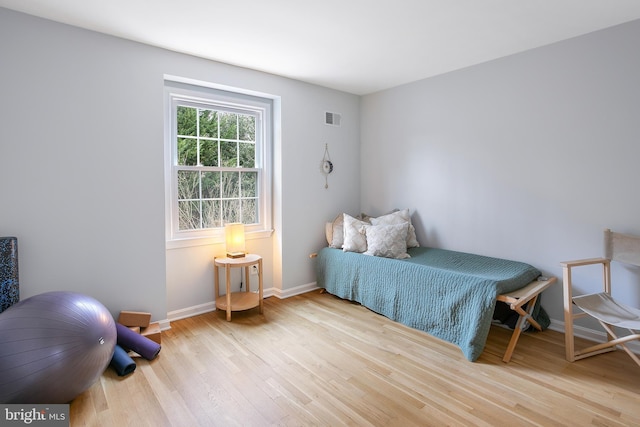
(356, 46)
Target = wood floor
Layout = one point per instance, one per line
(316, 360)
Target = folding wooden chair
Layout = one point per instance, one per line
(602, 306)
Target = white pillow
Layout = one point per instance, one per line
(389, 241)
(328, 232)
(354, 238)
(337, 236)
(399, 217)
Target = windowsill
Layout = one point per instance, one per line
(203, 241)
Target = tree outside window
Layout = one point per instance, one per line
(217, 174)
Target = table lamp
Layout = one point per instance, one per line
(234, 239)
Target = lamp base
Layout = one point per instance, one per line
(235, 254)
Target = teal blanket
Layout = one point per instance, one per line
(450, 295)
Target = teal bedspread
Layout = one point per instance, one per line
(450, 295)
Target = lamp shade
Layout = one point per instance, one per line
(234, 238)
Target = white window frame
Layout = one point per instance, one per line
(207, 95)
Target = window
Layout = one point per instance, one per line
(219, 151)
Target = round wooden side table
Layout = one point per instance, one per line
(243, 300)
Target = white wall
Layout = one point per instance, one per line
(527, 157)
(81, 162)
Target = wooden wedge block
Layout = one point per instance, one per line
(135, 329)
(152, 332)
(134, 318)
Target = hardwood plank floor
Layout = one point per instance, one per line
(318, 360)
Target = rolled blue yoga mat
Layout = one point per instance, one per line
(142, 345)
(121, 362)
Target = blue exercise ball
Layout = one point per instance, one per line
(53, 346)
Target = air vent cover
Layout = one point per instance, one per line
(332, 119)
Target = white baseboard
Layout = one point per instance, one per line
(295, 291)
(183, 313)
(195, 310)
(164, 324)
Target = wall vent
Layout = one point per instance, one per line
(332, 119)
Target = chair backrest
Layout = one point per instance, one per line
(622, 247)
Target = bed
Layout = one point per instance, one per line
(450, 295)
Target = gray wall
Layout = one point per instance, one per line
(528, 157)
(82, 168)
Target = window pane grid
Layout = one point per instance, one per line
(217, 173)
(211, 212)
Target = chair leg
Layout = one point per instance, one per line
(568, 315)
(609, 345)
(631, 354)
(624, 347)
